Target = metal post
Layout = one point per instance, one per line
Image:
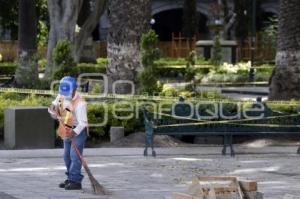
(253, 42)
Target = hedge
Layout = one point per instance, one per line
(96, 112)
(91, 68)
(7, 68)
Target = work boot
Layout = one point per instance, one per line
(63, 184)
(73, 186)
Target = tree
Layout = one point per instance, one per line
(190, 19)
(9, 15)
(64, 15)
(129, 20)
(285, 80)
(27, 71)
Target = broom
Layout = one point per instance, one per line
(97, 188)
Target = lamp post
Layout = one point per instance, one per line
(253, 41)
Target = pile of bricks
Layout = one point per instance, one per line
(216, 187)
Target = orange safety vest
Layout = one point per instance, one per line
(66, 115)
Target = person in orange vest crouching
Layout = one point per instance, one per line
(70, 109)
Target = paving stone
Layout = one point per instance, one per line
(131, 176)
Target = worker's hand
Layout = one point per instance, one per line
(52, 111)
(52, 108)
(70, 133)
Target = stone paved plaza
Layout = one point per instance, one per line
(34, 174)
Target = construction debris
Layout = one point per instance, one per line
(220, 187)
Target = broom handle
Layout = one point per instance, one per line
(75, 147)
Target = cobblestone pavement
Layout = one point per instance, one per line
(36, 174)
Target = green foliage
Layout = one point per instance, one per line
(102, 61)
(9, 15)
(13, 99)
(217, 52)
(63, 60)
(190, 71)
(42, 36)
(96, 89)
(169, 91)
(42, 64)
(91, 68)
(148, 81)
(27, 70)
(168, 61)
(96, 115)
(8, 68)
(269, 34)
(149, 51)
(236, 73)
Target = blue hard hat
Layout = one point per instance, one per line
(67, 85)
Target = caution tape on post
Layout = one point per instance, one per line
(144, 97)
(234, 122)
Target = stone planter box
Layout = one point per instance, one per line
(28, 128)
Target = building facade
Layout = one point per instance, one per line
(167, 15)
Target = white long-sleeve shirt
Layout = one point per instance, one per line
(80, 113)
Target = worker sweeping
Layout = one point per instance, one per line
(70, 109)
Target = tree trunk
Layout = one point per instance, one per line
(63, 16)
(129, 20)
(27, 70)
(285, 80)
(88, 20)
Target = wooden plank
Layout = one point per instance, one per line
(216, 178)
(183, 196)
(220, 190)
(248, 185)
(241, 194)
(212, 194)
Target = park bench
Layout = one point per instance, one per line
(179, 124)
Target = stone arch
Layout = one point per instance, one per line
(270, 8)
(173, 9)
(161, 6)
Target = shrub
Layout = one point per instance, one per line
(167, 61)
(91, 68)
(42, 64)
(63, 60)
(217, 52)
(148, 81)
(96, 89)
(8, 69)
(190, 70)
(102, 61)
(169, 91)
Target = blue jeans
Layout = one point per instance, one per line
(72, 161)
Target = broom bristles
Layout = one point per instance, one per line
(97, 188)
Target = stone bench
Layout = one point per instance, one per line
(28, 128)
